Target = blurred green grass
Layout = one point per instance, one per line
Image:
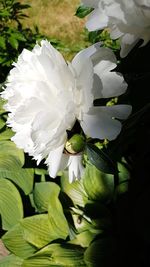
(56, 19)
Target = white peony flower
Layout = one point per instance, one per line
(45, 96)
(128, 20)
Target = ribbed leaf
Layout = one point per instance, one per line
(2, 123)
(98, 185)
(57, 255)
(43, 194)
(11, 208)
(38, 231)
(16, 243)
(57, 218)
(2, 102)
(9, 162)
(22, 177)
(83, 239)
(74, 190)
(6, 135)
(9, 148)
(11, 261)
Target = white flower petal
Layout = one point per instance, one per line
(128, 41)
(96, 20)
(84, 83)
(75, 167)
(54, 161)
(113, 84)
(100, 122)
(127, 20)
(90, 3)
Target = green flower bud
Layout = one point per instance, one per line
(75, 144)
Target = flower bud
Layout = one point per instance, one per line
(75, 144)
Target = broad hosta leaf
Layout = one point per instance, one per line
(83, 239)
(74, 190)
(2, 102)
(9, 162)
(11, 261)
(100, 159)
(6, 134)
(9, 148)
(2, 123)
(16, 243)
(83, 11)
(57, 255)
(43, 194)
(11, 208)
(101, 252)
(38, 231)
(22, 177)
(56, 216)
(98, 185)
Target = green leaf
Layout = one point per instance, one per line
(38, 231)
(2, 42)
(74, 190)
(98, 185)
(82, 11)
(2, 102)
(100, 159)
(19, 36)
(83, 239)
(22, 177)
(123, 174)
(43, 194)
(101, 252)
(56, 216)
(2, 123)
(8, 148)
(15, 242)
(57, 255)
(11, 208)
(6, 134)
(11, 261)
(9, 162)
(13, 42)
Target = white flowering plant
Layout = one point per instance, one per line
(74, 188)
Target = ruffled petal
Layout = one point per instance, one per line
(56, 161)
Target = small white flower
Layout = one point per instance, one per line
(45, 96)
(128, 20)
